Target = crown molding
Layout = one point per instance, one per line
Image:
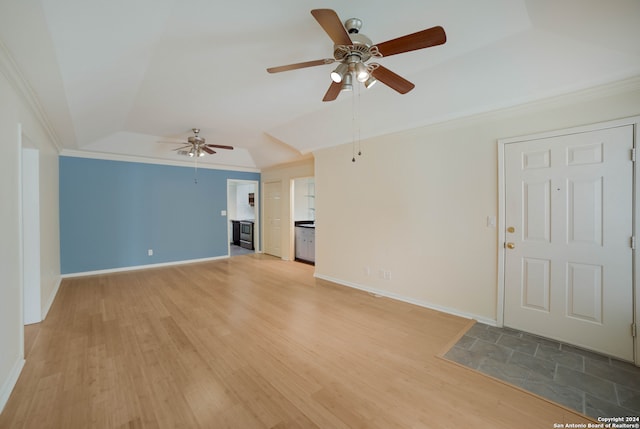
(9, 68)
(157, 161)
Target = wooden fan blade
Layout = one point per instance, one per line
(332, 92)
(220, 146)
(422, 39)
(300, 65)
(209, 151)
(392, 80)
(330, 22)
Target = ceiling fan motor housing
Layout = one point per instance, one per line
(361, 47)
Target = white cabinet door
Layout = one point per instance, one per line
(273, 218)
(311, 245)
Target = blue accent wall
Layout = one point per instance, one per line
(112, 212)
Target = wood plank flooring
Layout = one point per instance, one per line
(252, 342)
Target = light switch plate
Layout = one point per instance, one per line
(223, 212)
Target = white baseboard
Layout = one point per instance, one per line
(10, 382)
(141, 267)
(50, 299)
(413, 301)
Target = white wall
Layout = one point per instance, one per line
(18, 118)
(243, 210)
(415, 205)
(304, 199)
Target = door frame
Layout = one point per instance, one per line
(256, 209)
(264, 207)
(635, 121)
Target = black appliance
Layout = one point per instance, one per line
(246, 234)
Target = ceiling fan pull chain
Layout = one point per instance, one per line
(353, 125)
(359, 124)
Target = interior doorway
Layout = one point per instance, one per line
(303, 216)
(243, 226)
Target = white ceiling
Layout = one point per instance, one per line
(119, 76)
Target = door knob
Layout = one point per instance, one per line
(511, 246)
(511, 230)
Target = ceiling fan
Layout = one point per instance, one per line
(352, 50)
(196, 146)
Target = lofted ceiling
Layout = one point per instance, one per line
(122, 76)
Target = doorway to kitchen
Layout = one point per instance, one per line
(303, 215)
(243, 217)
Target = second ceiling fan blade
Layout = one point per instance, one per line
(392, 80)
(332, 92)
(220, 146)
(422, 39)
(330, 22)
(300, 65)
(209, 151)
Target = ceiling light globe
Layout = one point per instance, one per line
(338, 74)
(370, 82)
(362, 74)
(347, 85)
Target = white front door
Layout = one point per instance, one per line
(273, 218)
(568, 260)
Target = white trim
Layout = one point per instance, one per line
(635, 121)
(12, 72)
(10, 383)
(408, 300)
(636, 259)
(501, 234)
(157, 161)
(573, 130)
(20, 245)
(51, 298)
(142, 267)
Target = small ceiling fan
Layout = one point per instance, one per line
(352, 50)
(196, 146)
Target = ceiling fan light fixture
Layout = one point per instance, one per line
(347, 84)
(362, 74)
(370, 82)
(339, 73)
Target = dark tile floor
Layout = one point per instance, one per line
(237, 250)
(592, 384)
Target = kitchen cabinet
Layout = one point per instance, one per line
(305, 244)
(236, 232)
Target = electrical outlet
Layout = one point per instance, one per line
(367, 271)
(387, 275)
(150, 252)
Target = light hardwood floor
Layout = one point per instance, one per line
(252, 342)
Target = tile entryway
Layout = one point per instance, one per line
(592, 384)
